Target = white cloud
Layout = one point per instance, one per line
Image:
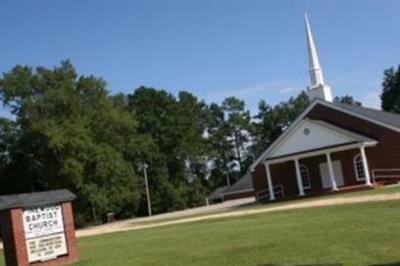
(246, 90)
(287, 90)
(372, 99)
(251, 90)
(256, 90)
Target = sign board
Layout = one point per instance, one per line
(44, 233)
(46, 247)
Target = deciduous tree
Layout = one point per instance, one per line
(391, 90)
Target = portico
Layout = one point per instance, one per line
(327, 154)
(316, 139)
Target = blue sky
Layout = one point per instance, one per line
(250, 49)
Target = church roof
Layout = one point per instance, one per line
(28, 200)
(245, 183)
(218, 193)
(386, 117)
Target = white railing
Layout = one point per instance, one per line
(386, 173)
(264, 194)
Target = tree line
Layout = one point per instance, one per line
(68, 131)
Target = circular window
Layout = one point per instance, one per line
(307, 131)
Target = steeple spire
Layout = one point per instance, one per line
(316, 75)
(318, 88)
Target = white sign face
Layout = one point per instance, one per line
(44, 232)
(46, 247)
(42, 221)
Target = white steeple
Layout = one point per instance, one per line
(318, 88)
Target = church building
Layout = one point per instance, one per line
(329, 147)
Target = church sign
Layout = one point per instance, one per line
(44, 233)
(39, 227)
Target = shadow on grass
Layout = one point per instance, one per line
(387, 264)
(332, 264)
(319, 264)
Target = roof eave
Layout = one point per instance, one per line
(317, 152)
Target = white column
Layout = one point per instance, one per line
(331, 173)
(269, 181)
(298, 177)
(365, 165)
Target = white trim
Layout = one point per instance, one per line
(340, 130)
(304, 113)
(331, 173)
(341, 136)
(366, 167)
(269, 182)
(298, 178)
(321, 152)
(290, 132)
(281, 136)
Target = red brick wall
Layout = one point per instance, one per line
(239, 195)
(284, 174)
(312, 164)
(385, 155)
(13, 234)
(8, 236)
(259, 178)
(281, 174)
(347, 160)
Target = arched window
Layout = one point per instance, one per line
(359, 167)
(305, 177)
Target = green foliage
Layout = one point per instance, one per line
(67, 134)
(391, 90)
(238, 125)
(229, 129)
(272, 121)
(347, 100)
(177, 150)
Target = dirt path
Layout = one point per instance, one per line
(248, 211)
(225, 206)
(206, 213)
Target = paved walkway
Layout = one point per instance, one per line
(214, 212)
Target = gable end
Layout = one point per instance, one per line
(304, 115)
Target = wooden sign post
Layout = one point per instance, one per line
(38, 229)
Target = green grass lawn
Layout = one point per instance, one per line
(257, 205)
(358, 234)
